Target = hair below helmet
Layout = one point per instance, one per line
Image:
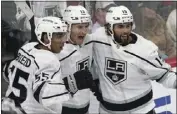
(49, 25)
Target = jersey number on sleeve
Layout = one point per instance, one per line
(22, 89)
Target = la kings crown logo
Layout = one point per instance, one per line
(83, 64)
(115, 70)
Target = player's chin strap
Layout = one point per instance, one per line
(49, 38)
(112, 37)
(47, 45)
(109, 30)
(69, 38)
(69, 35)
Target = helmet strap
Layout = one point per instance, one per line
(69, 34)
(49, 37)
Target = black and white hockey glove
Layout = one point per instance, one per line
(79, 80)
(96, 91)
(8, 107)
(5, 70)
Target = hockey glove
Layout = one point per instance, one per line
(5, 70)
(96, 91)
(79, 80)
(8, 107)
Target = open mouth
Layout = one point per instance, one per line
(124, 36)
(81, 37)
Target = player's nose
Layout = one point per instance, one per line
(84, 30)
(125, 30)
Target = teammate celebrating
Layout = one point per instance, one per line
(126, 63)
(76, 55)
(35, 81)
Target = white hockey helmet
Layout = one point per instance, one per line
(119, 14)
(75, 15)
(49, 25)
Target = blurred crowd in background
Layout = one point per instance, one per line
(155, 21)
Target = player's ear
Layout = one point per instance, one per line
(45, 39)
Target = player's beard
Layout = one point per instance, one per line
(122, 39)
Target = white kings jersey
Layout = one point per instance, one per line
(125, 72)
(35, 82)
(72, 59)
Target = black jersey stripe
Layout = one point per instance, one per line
(68, 55)
(149, 63)
(30, 56)
(48, 97)
(55, 73)
(69, 110)
(127, 106)
(94, 41)
(38, 91)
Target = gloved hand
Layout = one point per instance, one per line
(96, 91)
(8, 106)
(5, 70)
(79, 80)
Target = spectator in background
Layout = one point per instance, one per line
(27, 21)
(11, 33)
(8, 12)
(34, 10)
(153, 27)
(48, 8)
(10, 41)
(171, 25)
(165, 7)
(100, 13)
(24, 24)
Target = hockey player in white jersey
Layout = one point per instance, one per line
(35, 81)
(126, 63)
(76, 55)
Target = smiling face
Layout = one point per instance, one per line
(78, 32)
(122, 33)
